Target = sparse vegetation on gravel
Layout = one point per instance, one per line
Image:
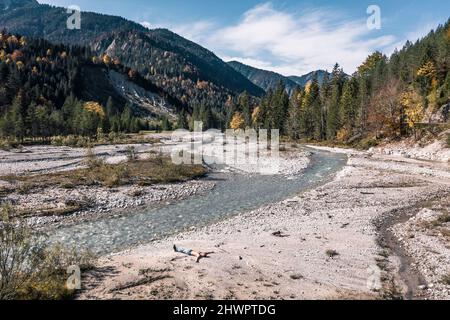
(156, 169)
(29, 268)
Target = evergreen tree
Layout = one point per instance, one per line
(333, 120)
(293, 125)
(244, 107)
(182, 120)
(349, 105)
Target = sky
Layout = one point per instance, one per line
(291, 37)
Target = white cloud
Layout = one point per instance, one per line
(300, 42)
(290, 42)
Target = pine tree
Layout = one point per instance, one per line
(279, 105)
(349, 105)
(244, 107)
(293, 125)
(110, 109)
(311, 111)
(333, 120)
(16, 118)
(182, 122)
(125, 119)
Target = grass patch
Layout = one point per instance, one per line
(446, 279)
(112, 138)
(154, 170)
(439, 222)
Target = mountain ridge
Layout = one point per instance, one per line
(269, 79)
(304, 79)
(185, 69)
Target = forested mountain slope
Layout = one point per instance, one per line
(269, 80)
(406, 94)
(48, 89)
(187, 70)
(263, 78)
(303, 80)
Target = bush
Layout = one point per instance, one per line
(7, 144)
(331, 253)
(29, 269)
(446, 279)
(131, 153)
(71, 141)
(4, 145)
(367, 143)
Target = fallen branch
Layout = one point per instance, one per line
(140, 282)
(279, 234)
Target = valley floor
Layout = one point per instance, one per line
(380, 229)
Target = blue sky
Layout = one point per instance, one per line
(289, 37)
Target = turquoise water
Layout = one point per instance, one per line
(234, 193)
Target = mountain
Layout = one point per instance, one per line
(303, 80)
(14, 4)
(269, 80)
(263, 78)
(36, 74)
(186, 70)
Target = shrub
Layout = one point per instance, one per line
(8, 144)
(131, 153)
(367, 143)
(29, 268)
(331, 253)
(92, 161)
(71, 141)
(4, 145)
(446, 279)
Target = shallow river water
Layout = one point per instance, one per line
(234, 193)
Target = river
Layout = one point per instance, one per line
(234, 193)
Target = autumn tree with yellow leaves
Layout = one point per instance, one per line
(238, 121)
(413, 108)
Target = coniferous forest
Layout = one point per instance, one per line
(43, 91)
(388, 97)
(42, 94)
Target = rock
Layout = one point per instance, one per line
(422, 287)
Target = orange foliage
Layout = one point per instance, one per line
(255, 114)
(106, 59)
(427, 70)
(13, 40)
(94, 107)
(16, 55)
(202, 85)
(238, 121)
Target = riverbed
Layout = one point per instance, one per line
(234, 193)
